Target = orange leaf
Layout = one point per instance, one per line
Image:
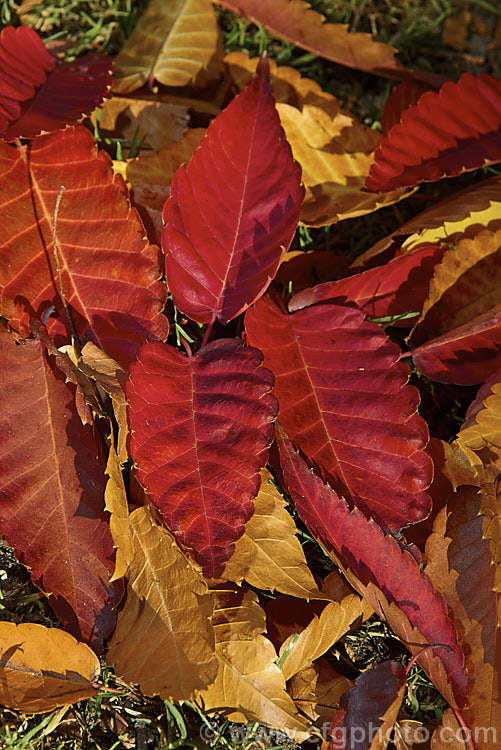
(43, 668)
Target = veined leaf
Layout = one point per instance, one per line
(396, 288)
(483, 429)
(465, 284)
(52, 488)
(201, 428)
(446, 133)
(60, 93)
(172, 43)
(233, 210)
(249, 683)
(295, 21)
(269, 555)
(110, 273)
(43, 668)
(377, 560)
(466, 355)
(345, 402)
(335, 154)
(163, 640)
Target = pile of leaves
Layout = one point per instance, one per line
(182, 394)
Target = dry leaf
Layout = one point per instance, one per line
(173, 43)
(43, 668)
(115, 499)
(316, 691)
(249, 684)
(288, 85)
(159, 122)
(298, 652)
(269, 555)
(150, 178)
(163, 640)
(335, 156)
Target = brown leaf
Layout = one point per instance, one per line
(150, 178)
(461, 568)
(159, 122)
(269, 555)
(43, 668)
(335, 156)
(115, 498)
(316, 690)
(172, 43)
(299, 651)
(295, 21)
(163, 640)
(249, 684)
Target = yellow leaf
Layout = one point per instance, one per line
(269, 554)
(335, 155)
(249, 685)
(288, 85)
(299, 651)
(174, 42)
(486, 432)
(43, 668)
(164, 640)
(115, 499)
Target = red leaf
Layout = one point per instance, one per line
(52, 492)
(374, 558)
(454, 130)
(399, 287)
(345, 402)
(60, 93)
(201, 427)
(465, 356)
(234, 210)
(402, 96)
(110, 272)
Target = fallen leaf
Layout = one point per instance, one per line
(335, 156)
(43, 668)
(40, 94)
(110, 273)
(115, 499)
(173, 43)
(446, 133)
(50, 463)
(336, 619)
(163, 640)
(249, 684)
(345, 401)
(269, 555)
(233, 210)
(295, 21)
(198, 454)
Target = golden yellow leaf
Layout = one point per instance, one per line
(174, 42)
(316, 690)
(43, 668)
(249, 684)
(288, 85)
(115, 499)
(164, 640)
(269, 554)
(465, 284)
(486, 432)
(153, 120)
(299, 651)
(335, 155)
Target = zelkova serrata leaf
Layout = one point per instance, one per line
(233, 210)
(345, 401)
(201, 428)
(39, 94)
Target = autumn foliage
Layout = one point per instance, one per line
(144, 389)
